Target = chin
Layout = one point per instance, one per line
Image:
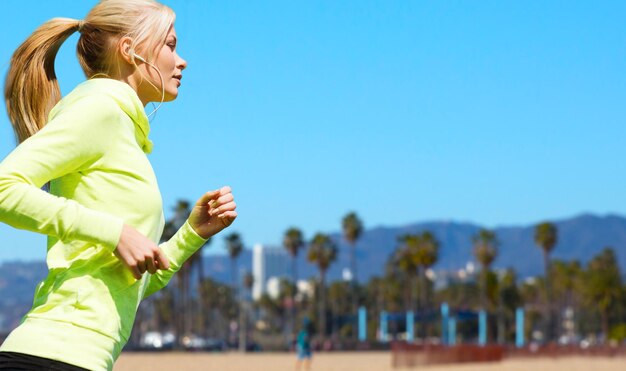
(170, 96)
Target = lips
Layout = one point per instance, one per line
(178, 77)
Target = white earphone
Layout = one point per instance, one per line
(139, 57)
(133, 55)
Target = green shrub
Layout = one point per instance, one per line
(618, 332)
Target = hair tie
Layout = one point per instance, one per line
(81, 24)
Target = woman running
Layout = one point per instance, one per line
(102, 210)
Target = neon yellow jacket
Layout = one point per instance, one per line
(93, 153)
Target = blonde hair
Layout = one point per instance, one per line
(31, 88)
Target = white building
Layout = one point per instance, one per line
(442, 279)
(267, 262)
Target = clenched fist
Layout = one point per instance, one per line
(213, 212)
(139, 253)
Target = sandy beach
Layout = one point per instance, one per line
(362, 361)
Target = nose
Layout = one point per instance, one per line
(181, 63)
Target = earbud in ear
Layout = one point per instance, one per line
(139, 57)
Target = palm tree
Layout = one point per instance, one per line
(322, 252)
(169, 229)
(338, 293)
(293, 242)
(163, 306)
(183, 315)
(404, 261)
(234, 246)
(376, 294)
(546, 239)
(352, 229)
(425, 256)
(567, 284)
(221, 300)
(196, 260)
(603, 285)
(248, 281)
(485, 251)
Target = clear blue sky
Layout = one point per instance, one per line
(494, 112)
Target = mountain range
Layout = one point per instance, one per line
(579, 238)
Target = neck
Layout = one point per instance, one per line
(135, 83)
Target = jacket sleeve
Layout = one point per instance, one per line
(73, 139)
(178, 249)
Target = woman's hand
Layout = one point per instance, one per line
(213, 212)
(139, 253)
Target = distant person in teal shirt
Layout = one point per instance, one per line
(303, 347)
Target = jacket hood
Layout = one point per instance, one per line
(127, 99)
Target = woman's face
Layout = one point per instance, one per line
(170, 65)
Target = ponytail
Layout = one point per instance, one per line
(31, 88)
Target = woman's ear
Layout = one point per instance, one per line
(124, 49)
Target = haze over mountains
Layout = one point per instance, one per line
(579, 238)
